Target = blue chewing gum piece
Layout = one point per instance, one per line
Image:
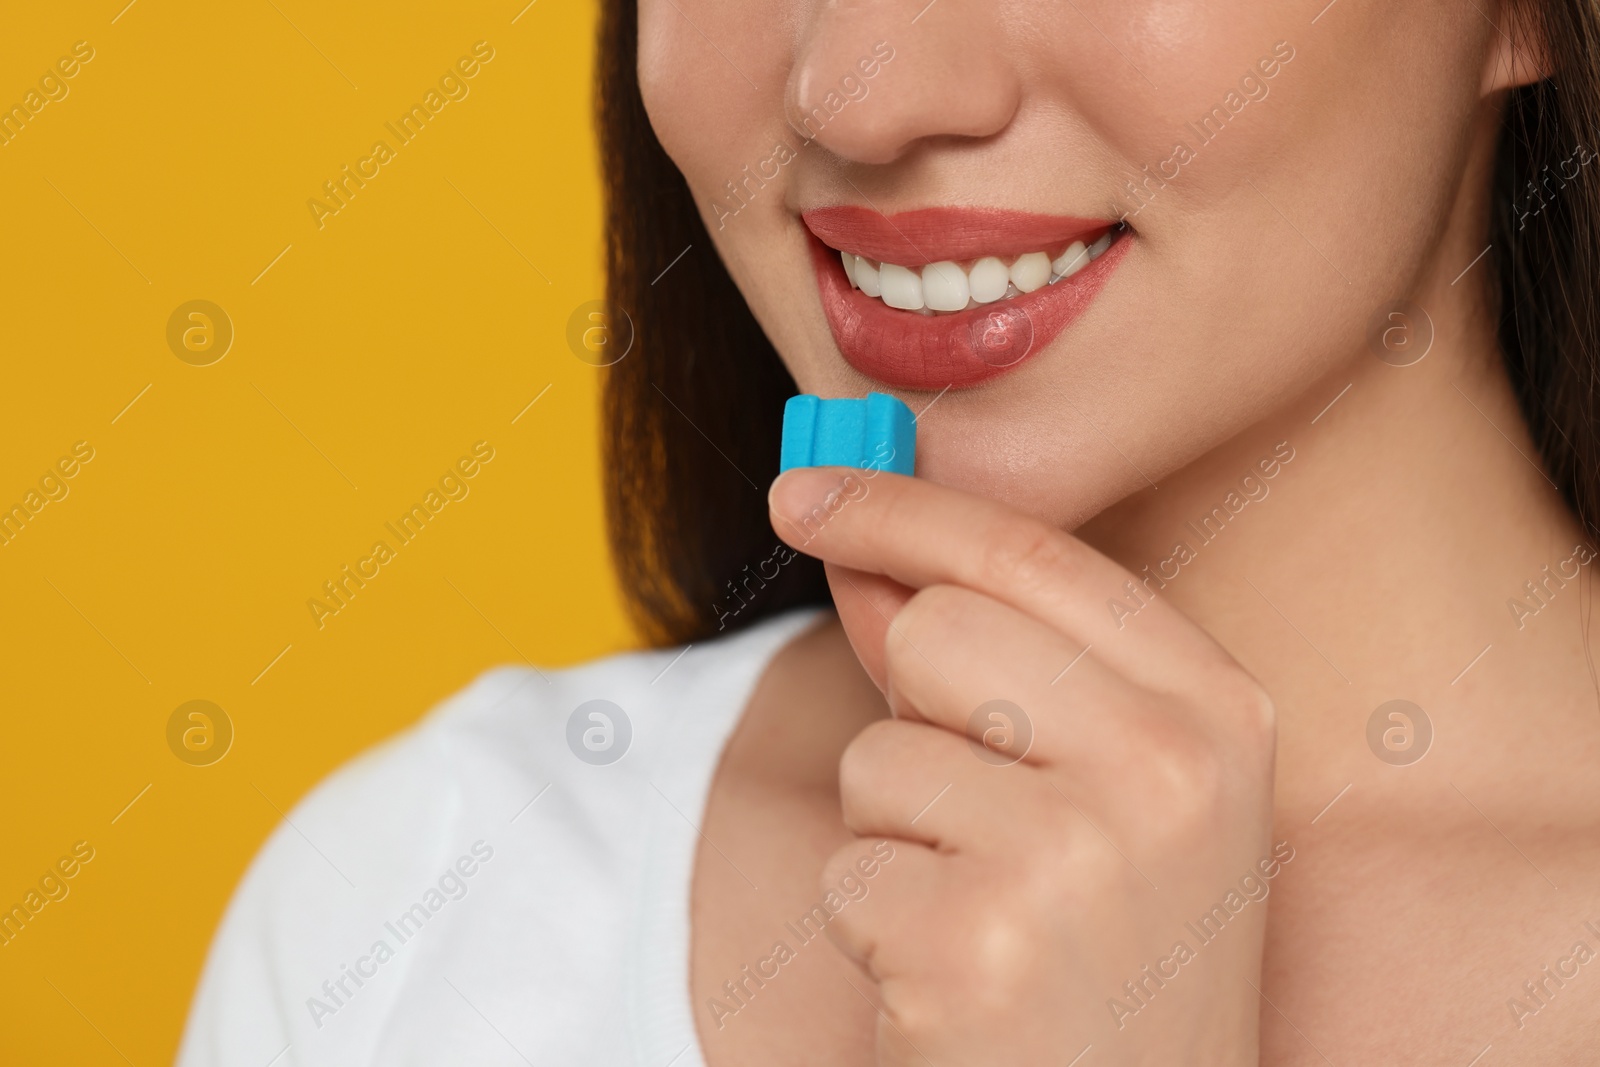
(878, 433)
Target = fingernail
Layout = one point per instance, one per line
(796, 493)
(772, 490)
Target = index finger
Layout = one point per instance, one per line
(919, 533)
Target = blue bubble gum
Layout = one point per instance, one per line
(878, 433)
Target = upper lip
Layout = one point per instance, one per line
(937, 234)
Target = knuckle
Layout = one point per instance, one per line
(865, 757)
(1192, 767)
(1001, 941)
(1184, 773)
(1258, 715)
(872, 770)
(932, 609)
(1248, 715)
(1076, 873)
(1024, 554)
(842, 862)
(998, 956)
(916, 1011)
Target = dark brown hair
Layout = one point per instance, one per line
(1544, 235)
(692, 413)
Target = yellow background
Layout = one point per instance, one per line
(365, 361)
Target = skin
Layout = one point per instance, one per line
(1229, 713)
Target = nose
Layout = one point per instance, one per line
(873, 78)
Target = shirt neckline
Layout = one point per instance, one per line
(660, 1010)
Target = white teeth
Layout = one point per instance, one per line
(988, 280)
(1074, 259)
(1031, 271)
(866, 276)
(944, 286)
(901, 288)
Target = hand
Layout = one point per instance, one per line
(1035, 875)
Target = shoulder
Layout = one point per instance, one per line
(321, 946)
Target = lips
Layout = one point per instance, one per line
(913, 349)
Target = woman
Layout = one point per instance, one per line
(1221, 689)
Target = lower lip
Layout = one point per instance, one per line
(932, 352)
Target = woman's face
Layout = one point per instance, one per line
(1282, 172)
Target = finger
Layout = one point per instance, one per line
(873, 890)
(920, 533)
(921, 783)
(1025, 693)
(1131, 760)
(865, 603)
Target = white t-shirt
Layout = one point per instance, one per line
(485, 888)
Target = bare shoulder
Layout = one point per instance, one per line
(1400, 935)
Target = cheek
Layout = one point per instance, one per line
(723, 135)
(1268, 249)
(715, 109)
(1160, 65)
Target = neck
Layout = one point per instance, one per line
(1390, 557)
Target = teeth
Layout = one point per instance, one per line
(988, 280)
(866, 278)
(1031, 271)
(1074, 259)
(945, 287)
(901, 288)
